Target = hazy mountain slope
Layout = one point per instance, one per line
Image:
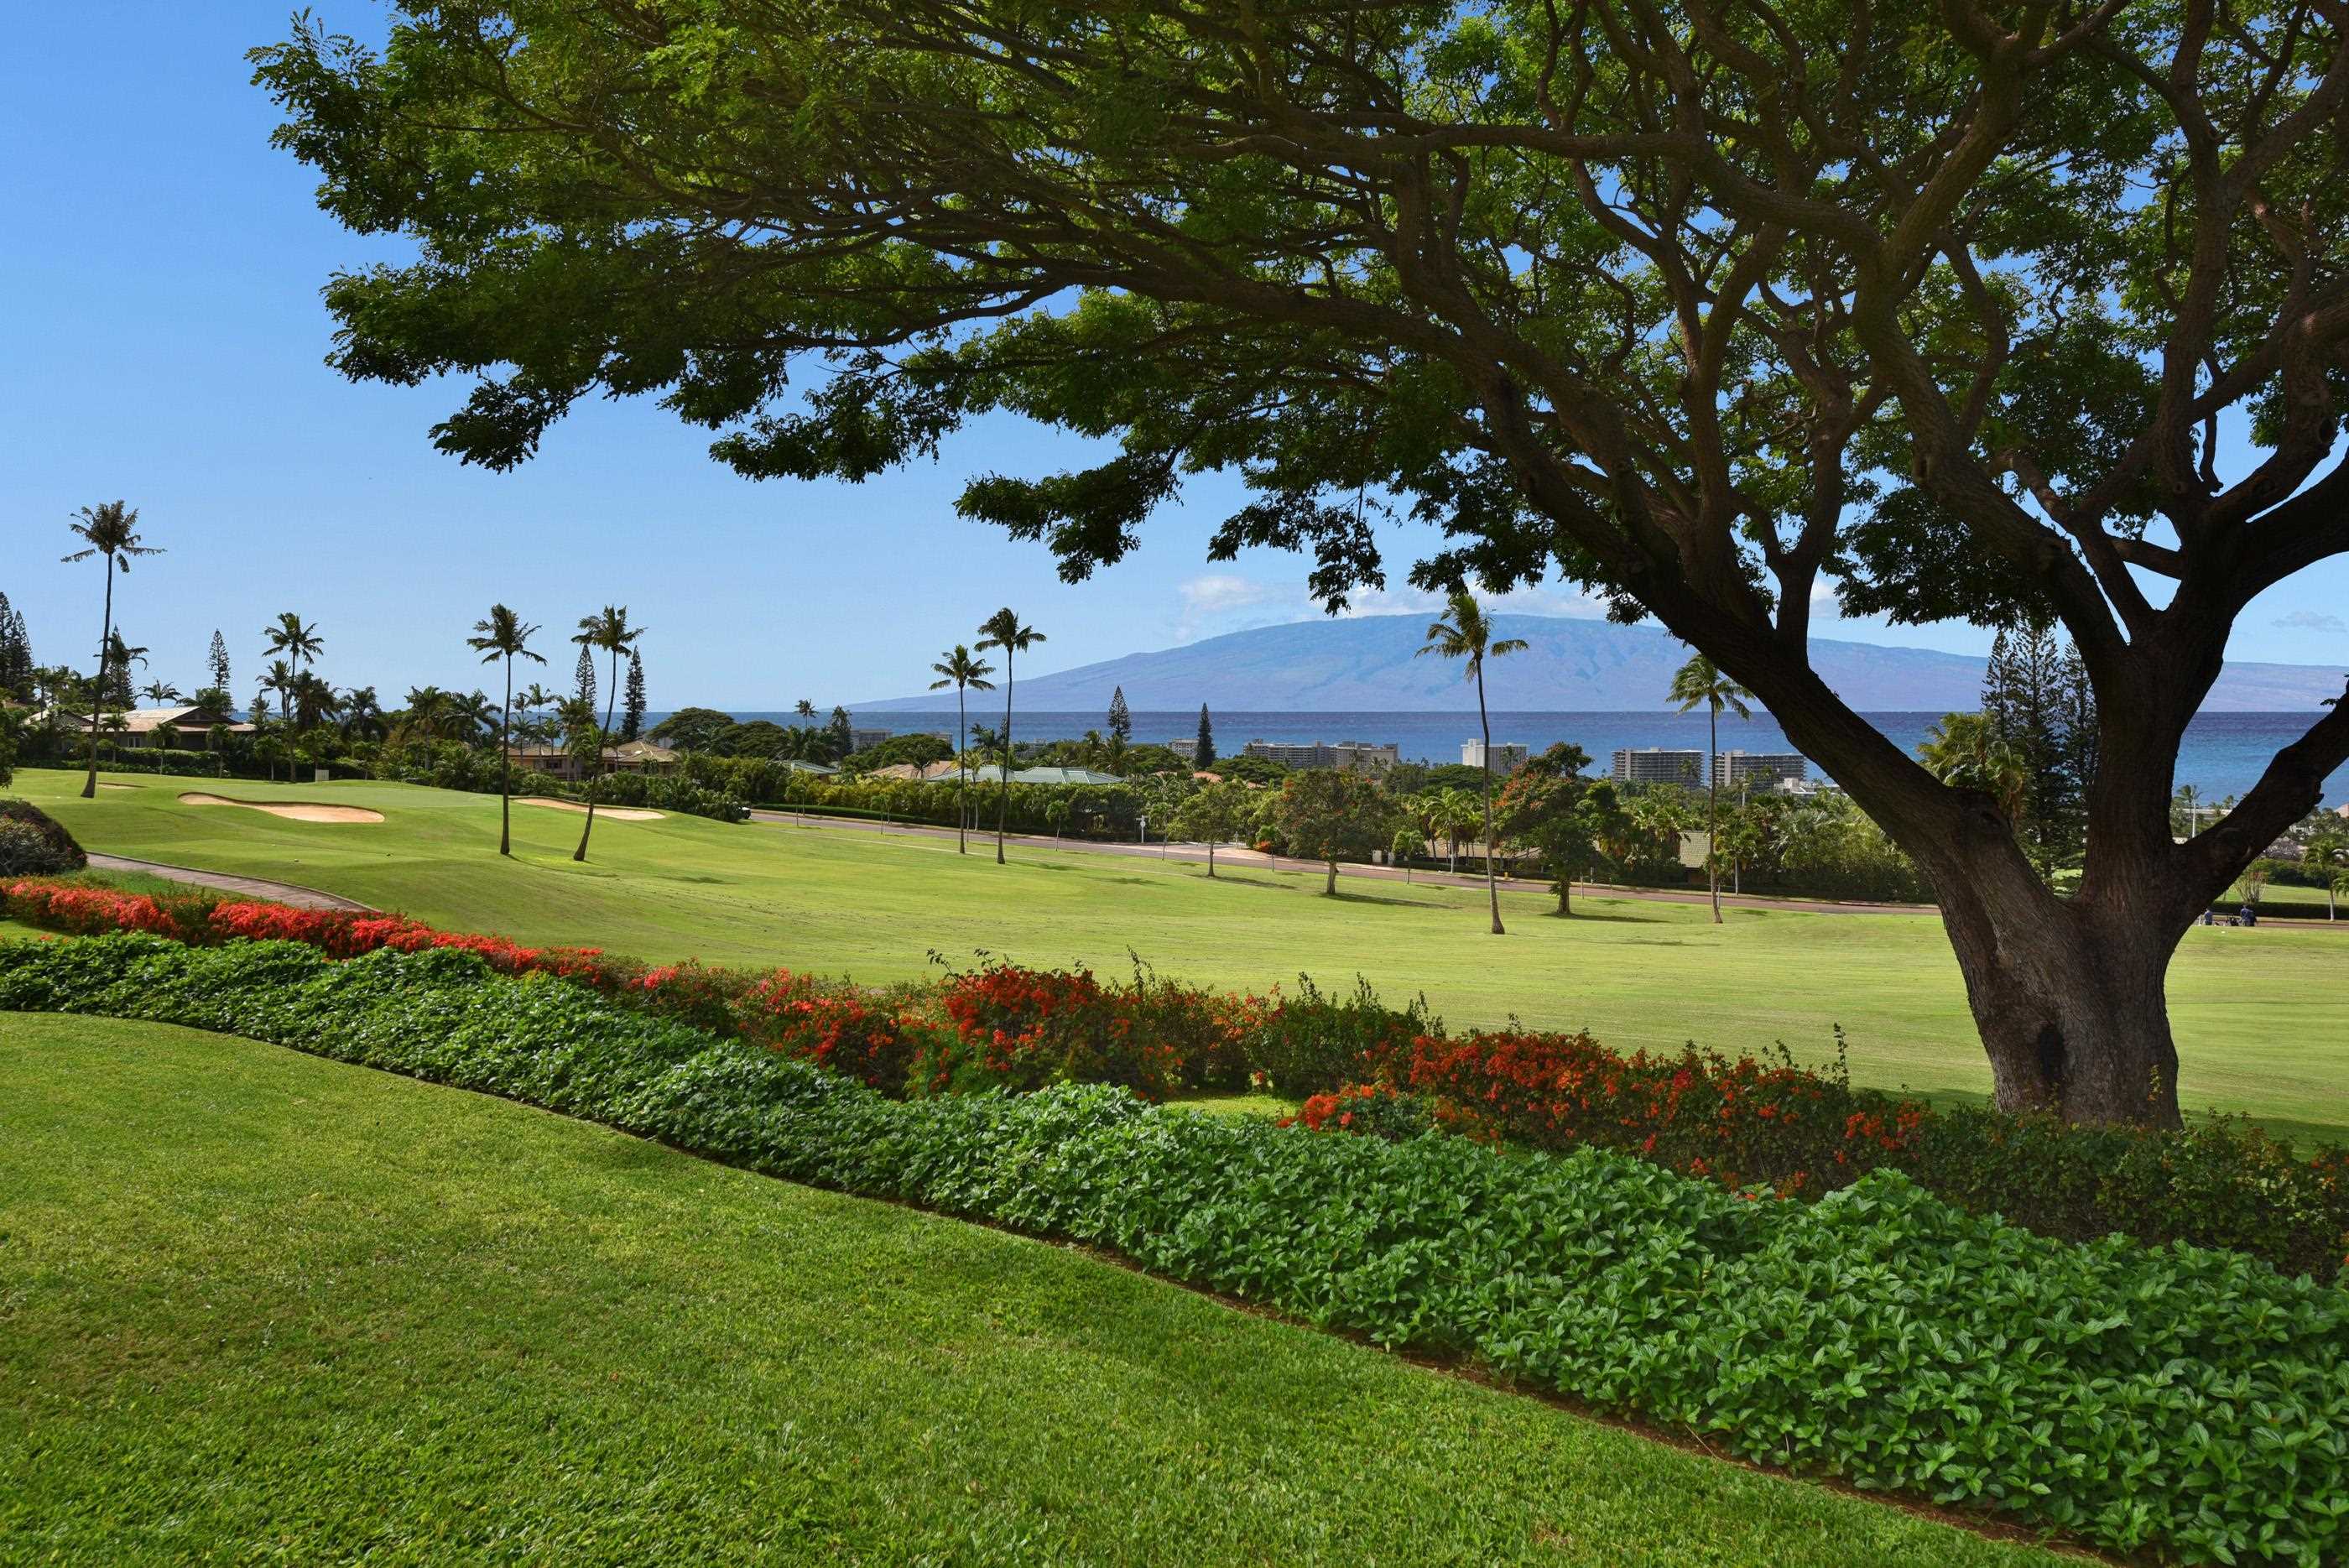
(1366, 664)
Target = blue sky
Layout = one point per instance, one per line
(163, 343)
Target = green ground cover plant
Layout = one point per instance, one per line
(2255, 1010)
(263, 1304)
(2179, 1397)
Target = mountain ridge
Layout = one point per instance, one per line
(1370, 664)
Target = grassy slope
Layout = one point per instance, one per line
(2261, 1015)
(258, 1298)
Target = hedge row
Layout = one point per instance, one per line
(2183, 1398)
(1747, 1125)
(999, 1026)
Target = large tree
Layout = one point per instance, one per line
(1978, 309)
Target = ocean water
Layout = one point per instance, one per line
(2223, 753)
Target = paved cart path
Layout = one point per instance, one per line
(292, 893)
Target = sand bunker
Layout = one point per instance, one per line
(618, 813)
(294, 810)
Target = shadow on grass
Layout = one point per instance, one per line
(1580, 915)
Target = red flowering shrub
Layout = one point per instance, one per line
(866, 1035)
(1374, 1110)
(1739, 1122)
(78, 911)
(1017, 1028)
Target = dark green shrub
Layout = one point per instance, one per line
(32, 843)
(1315, 1043)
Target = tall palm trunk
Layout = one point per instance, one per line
(595, 779)
(1712, 806)
(962, 770)
(1492, 887)
(97, 697)
(506, 766)
(1003, 801)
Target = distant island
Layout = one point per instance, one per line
(1365, 665)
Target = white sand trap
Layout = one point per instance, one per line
(617, 813)
(293, 810)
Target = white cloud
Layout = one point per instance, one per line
(1226, 601)
(1221, 602)
(2311, 620)
(1520, 600)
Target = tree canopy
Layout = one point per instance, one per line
(2013, 312)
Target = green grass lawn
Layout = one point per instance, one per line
(2263, 1016)
(257, 1305)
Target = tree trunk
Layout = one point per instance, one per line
(98, 702)
(1485, 722)
(596, 774)
(2067, 993)
(1712, 806)
(962, 773)
(505, 767)
(1211, 858)
(1003, 801)
(1564, 891)
(1330, 888)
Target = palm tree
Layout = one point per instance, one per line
(1699, 682)
(476, 714)
(281, 679)
(123, 656)
(1964, 752)
(299, 643)
(608, 631)
(535, 701)
(1469, 636)
(315, 702)
(160, 692)
(111, 530)
(963, 671)
(1002, 630)
(1457, 814)
(362, 714)
(804, 709)
(428, 716)
(502, 636)
(2327, 851)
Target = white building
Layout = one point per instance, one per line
(1507, 755)
(1350, 756)
(1758, 769)
(1653, 764)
